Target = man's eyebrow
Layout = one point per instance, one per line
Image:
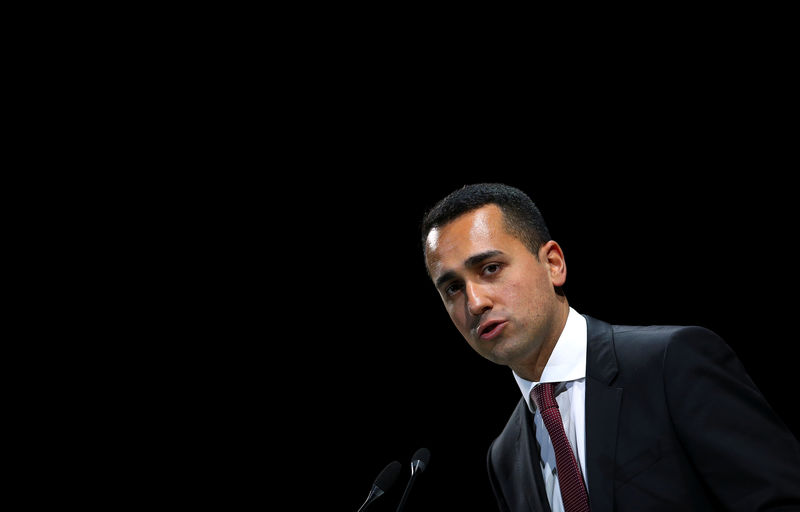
(477, 258)
(469, 262)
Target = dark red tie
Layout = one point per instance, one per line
(573, 492)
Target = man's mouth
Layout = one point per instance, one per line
(491, 329)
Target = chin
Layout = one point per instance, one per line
(502, 354)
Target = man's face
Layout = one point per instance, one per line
(498, 294)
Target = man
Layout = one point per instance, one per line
(611, 417)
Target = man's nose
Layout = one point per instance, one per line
(478, 300)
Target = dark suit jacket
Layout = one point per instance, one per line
(673, 423)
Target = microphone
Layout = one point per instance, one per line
(383, 482)
(418, 462)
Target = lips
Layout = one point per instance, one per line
(491, 328)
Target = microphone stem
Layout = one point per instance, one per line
(372, 495)
(405, 493)
(364, 505)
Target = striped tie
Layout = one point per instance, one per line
(573, 492)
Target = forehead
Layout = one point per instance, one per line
(472, 233)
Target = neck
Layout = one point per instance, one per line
(533, 369)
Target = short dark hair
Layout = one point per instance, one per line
(521, 218)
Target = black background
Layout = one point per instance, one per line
(253, 233)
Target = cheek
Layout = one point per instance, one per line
(455, 313)
(526, 298)
(459, 318)
(516, 295)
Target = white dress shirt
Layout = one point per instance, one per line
(567, 364)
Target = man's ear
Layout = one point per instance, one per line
(551, 254)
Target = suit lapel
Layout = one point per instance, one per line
(602, 413)
(535, 495)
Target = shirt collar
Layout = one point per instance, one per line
(568, 360)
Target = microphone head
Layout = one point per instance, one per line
(387, 477)
(420, 458)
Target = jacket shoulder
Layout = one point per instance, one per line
(636, 347)
(659, 337)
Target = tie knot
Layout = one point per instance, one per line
(543, 396)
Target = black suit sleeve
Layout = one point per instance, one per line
(744, 452)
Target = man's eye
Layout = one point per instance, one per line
(492, 268)
(452, 289)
